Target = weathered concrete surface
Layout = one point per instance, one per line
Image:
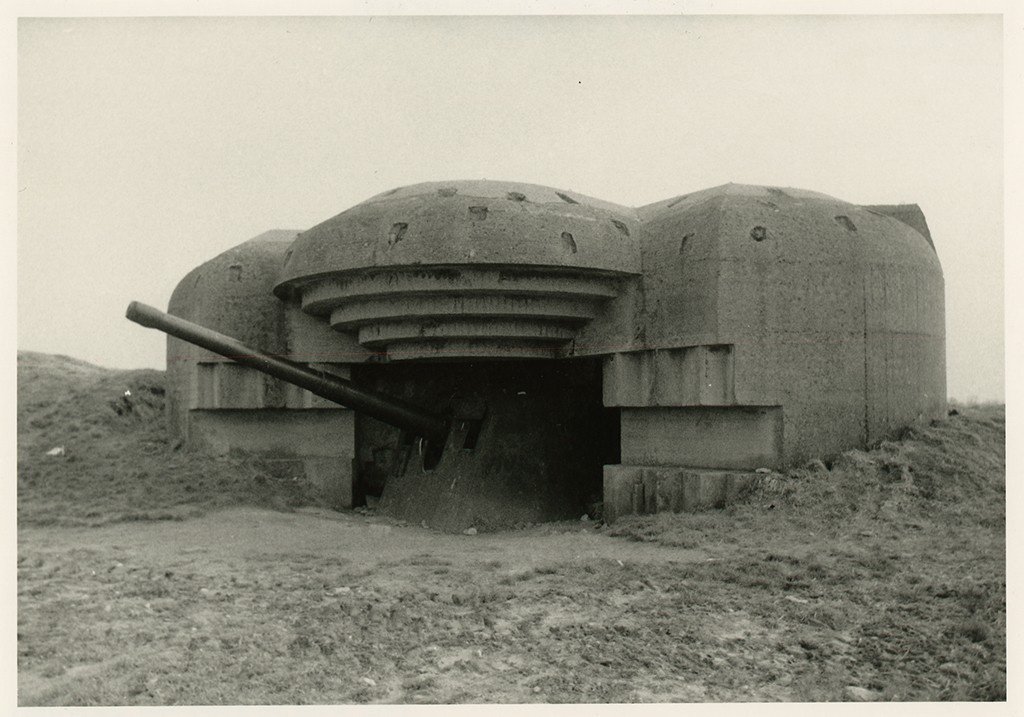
(228, 385)
(468, 222)
(220, 405)
(465, 269)
(687, 376)
(319, 433)
(831, 310)
(643, 490)
(739, 327)
(318, 443)
(734, 437)
(909, 214)
(230, 293)
(835, 312)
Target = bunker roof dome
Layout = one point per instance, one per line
(469, 223)
(231, 293)
(807, 227)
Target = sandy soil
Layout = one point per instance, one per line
(246, 533)
(175, 589)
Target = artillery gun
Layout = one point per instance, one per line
(385, 408)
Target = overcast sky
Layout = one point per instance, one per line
(147, 146)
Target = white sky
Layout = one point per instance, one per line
(147, 146)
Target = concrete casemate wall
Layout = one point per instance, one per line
(737, 327)
(222, 406)
(230, 293)
(834, 311)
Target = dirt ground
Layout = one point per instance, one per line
(149, 576)
(322, 607)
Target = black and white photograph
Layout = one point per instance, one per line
(606, 354)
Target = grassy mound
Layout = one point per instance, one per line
(898, 553)
(93, 449)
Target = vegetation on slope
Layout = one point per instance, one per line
(113, 459)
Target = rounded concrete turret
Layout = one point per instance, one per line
(231, 293)
(830, 310)
(468, 269)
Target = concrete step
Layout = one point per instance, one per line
(642, 490)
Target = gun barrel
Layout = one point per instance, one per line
(377, 405)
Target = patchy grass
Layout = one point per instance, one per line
(878, 576)
(117, 464)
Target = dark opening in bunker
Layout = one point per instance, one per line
(528, 445)
(569, 242)
(845, 222)
(397, 232)
(430, 453)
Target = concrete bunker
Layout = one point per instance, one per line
(650, 361)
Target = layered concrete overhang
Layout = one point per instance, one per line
(475, 269)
